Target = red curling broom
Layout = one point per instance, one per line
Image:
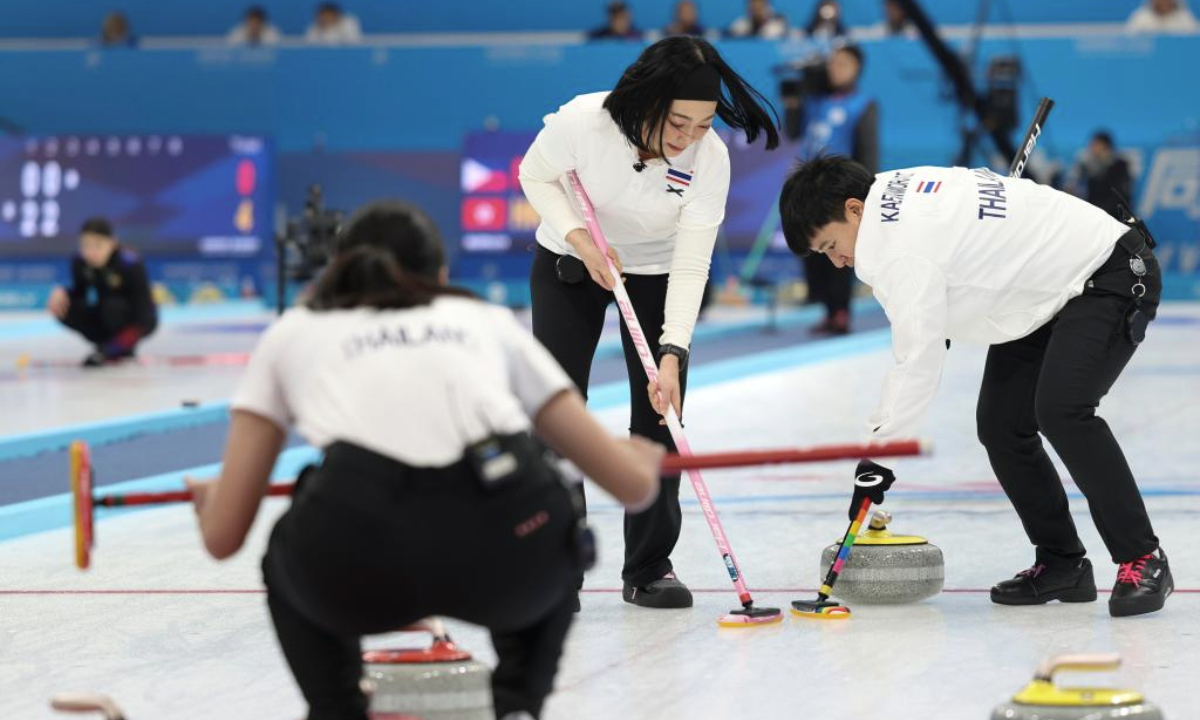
(85, 501)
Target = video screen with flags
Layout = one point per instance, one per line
(495, 217)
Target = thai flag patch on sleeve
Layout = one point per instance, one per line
(679, 177)
(929, 186)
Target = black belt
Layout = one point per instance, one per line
(1135, 242)
(1129, 249)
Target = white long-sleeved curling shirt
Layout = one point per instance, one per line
(972, 256)
(661, 220)
(417, 385)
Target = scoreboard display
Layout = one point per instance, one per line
(174, 196)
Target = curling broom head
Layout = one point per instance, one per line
(82, 505)
(820, 610)
(751, 617)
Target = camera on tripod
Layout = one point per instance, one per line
(307, 243)
(1000, 100)
(799, 81)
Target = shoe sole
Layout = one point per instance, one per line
(660, 600)
(1074, 595)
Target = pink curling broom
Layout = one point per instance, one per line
(748, 615)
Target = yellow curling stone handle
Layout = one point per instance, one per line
(1078, 662)
(1043, 691)
(878, 534)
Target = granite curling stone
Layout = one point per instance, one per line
(885, 568)
(440, 682)
(1041, 699)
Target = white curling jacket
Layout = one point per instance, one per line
(662, 220)
(971, 256)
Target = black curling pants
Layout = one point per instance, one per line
(568, 318)
(104, 321)
(371, 545)
(1051, 383)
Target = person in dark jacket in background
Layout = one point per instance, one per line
(1102, 176)
(109, 301)
(686, 20)
(618, 26)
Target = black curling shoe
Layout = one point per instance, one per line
(667, 592)
(1042, 583)
(94, 360)
(1142, 586)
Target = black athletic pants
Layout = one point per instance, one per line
(103, 321)
(1051, 382)
(827, 283)
(568, 319)
(370, 545)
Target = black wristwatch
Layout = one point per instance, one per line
(679, 352)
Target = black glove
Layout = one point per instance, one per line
(871, 480)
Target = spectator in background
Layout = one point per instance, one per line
(109, 301)
(255, 29)
(895, 20)
(331, 26)
(836, 120)
(826, 22)
(687, 20)
(760, 20)
(619, 25)
(115, 32)
(1164, 16)
(1102, 177)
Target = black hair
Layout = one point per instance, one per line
(616, 8)
(258, 12)
(642, 98)
(388, 255)
(98, 226)
(329, 7)
(815, 195)
(855, 52)
(1105, 137)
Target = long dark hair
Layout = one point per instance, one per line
(642, 98)
(388, 255)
